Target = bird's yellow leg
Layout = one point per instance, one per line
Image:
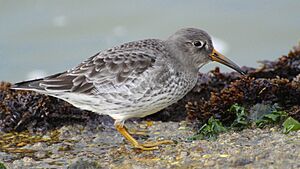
(121, 129)
(149, 146)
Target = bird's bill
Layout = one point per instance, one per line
(218, 57)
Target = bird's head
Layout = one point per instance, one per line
(197, 45)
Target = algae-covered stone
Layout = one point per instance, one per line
(2, 166)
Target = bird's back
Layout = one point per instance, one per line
(131, 80)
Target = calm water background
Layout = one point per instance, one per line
(40, 37)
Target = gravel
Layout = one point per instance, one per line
(98, 145)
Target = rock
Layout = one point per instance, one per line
(84, 164)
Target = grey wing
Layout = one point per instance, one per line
(101, 73)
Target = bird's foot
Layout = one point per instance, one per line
(155, 144)
(152, 145)
(136, 144)
(144, 148)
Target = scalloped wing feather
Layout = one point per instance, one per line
(115, 69)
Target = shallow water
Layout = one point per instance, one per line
(44, 37)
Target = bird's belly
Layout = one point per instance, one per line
(142, 108)
(152, 103)
(121, 108)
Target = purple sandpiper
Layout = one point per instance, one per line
(134, 79)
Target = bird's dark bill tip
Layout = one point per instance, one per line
(218, 57)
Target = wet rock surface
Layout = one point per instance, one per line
(98, 146)
(38, 131)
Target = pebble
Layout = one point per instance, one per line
(209, 163)
(40, 154)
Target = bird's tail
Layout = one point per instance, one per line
(34, 85)
(28, 85)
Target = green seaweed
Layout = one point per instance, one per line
(210, 130)
(274, 117)
(213, 127)
(2, 166)
(290, 124)
(241, 121)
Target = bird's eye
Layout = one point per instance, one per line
(198, 44)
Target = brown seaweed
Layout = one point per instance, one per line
(21, 110)
(275, 82)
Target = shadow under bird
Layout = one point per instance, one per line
(134, 79)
